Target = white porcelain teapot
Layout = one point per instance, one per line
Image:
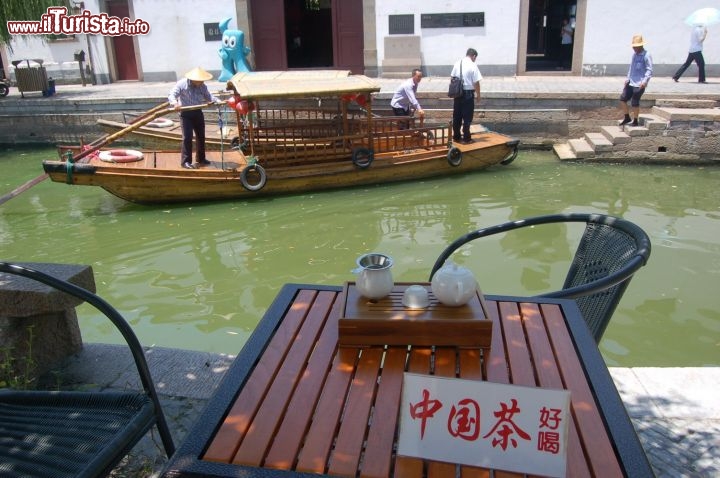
(453, 285)
(374, 277)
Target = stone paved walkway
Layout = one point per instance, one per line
(525, 86)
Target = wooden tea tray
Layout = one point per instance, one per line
(387, 322)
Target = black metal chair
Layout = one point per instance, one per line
(77, 433)
(610, 251)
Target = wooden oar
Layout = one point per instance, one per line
(160, 110)
(23, 188)
(135, 120)
(132, 127)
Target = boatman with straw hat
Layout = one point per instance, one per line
(192, 91)
(638, 77)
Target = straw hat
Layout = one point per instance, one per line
(638, 41)
(198, 74)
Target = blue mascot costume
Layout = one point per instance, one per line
(232, 51)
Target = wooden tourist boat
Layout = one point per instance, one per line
(294, 136)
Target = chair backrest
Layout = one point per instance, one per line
(53, 418)
(610, 251)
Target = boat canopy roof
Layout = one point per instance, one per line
(299, 84)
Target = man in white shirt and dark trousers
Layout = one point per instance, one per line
(404, 102)
(697, 37)
(464, 106)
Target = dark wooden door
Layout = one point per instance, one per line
(348, 35)
(270, 38)
(268, 34)
(123, 45)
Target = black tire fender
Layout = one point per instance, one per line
(362, 157)
(454, 156)
(261, 173)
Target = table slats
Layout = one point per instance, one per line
(289, 436)
(313, 457)
(405, 466)
(377, 460)
(241, 415)
(348, 446)
(274, 406)
(592, 431)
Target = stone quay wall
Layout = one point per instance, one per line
(539, 121)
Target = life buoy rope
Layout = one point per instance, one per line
(120, 156)
(261, 174)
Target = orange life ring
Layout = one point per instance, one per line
(160, 123)
(120, 156)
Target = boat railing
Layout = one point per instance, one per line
(318, 141)
(399, 133)
(296, 150)
(287, 116)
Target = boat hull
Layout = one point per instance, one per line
(158, 177)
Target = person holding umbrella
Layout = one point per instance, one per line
(697, 37)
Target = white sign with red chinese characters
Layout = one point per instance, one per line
(490, 425)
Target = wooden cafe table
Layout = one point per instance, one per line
(295, 403)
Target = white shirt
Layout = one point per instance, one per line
(404, 96)
(470, 73)
(697, 37)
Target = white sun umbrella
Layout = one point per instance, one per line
(703, 16)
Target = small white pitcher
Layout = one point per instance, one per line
(374, 279)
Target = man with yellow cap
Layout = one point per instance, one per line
(638, 76)
(192, 91)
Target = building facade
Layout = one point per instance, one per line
(377, 38)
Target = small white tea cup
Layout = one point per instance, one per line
(415, 297)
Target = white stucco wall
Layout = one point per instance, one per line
(58, 56)
(610, 28)
(496, 42)
(176, 41)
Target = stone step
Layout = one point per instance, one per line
(564, 152)
(598, 142)
(633, 131)
(685, 103)
(580, 148)
(615, 135)
(687, 114)
(653, 122)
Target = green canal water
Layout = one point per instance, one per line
(200, 276)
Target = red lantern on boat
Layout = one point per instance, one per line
(242, 107)
(361, 100)
(233, 101)
(348, 98)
